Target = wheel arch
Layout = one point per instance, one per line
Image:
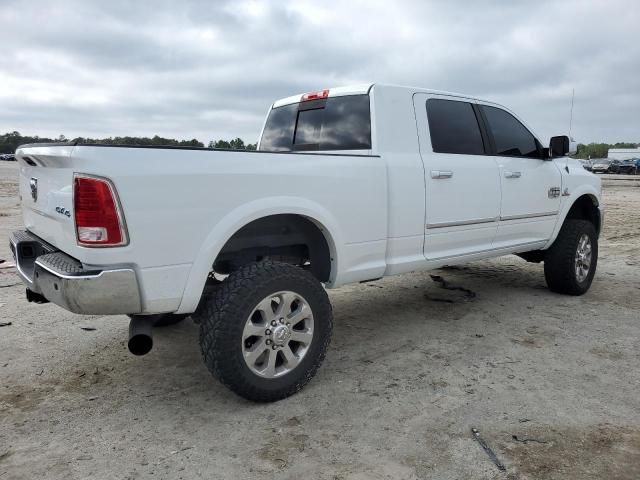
(244, 217)
(289, 238)
(585, 205)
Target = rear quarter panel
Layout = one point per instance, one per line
(181, 206)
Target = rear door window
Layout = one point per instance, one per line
(453, 127)
(510, 136)
(335, 123)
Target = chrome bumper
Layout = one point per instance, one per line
(68, 283)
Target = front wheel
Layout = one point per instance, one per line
(570, 263)
(265, 330)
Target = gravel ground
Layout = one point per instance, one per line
(551, 382)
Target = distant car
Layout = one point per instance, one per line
(635, 166)
(9, 157)
(586, 164)
(625, 166)
(602, 165)
(614, 166)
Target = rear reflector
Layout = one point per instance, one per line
(314, 95)
(99, 221)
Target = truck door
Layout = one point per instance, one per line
(462, 181)
(531, 185)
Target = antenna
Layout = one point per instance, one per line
(573, 94)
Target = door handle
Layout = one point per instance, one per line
(441, 174)
(512, 174)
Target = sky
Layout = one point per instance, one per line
(210, 69)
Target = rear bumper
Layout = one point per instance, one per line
(68, 283)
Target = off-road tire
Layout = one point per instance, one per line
(560, 259)
(224, 314)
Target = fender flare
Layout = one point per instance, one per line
(242, 216)
(581, 191)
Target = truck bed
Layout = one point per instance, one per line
(181, 204)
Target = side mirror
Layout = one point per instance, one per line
(559, 146)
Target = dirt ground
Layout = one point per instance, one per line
(551, 382)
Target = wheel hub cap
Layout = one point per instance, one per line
(277, 334)
(583, 258)
(281, 334)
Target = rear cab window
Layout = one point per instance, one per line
(333, 123)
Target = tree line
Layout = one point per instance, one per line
(12, 140)
(600, 150)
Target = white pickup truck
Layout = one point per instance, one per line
(347, 185)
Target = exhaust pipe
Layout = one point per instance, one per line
(140, 334)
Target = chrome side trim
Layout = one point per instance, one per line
(480, 221)
(530, 215)
(465, 222)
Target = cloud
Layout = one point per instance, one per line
(211, 69)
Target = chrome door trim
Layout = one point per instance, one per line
(480, 221)
(465, 222)
(530, 215)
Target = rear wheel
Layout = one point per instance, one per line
(570, 263)
(265, 330)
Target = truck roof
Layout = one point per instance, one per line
(364, 88)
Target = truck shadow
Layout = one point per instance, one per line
(410, 354)
(372, 322)
(419, 303)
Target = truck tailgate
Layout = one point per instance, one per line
(46, 193)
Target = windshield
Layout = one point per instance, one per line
(335, 123)
(601, 162)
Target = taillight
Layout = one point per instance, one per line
(314, 95)
(99, 221)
